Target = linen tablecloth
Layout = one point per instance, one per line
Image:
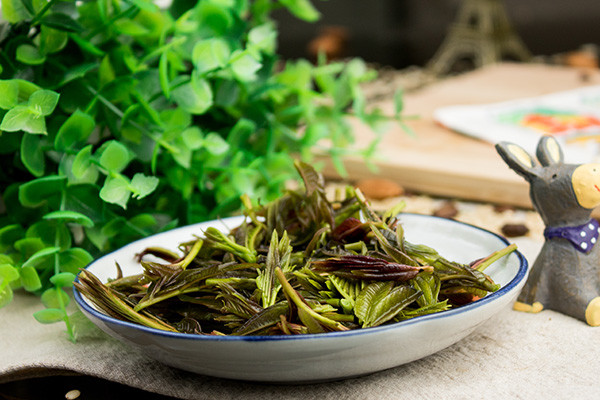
(512, 355)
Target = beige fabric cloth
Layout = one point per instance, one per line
(513, 355)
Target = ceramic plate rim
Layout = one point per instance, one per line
(512, 284)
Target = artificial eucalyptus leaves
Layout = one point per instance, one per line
(120, 119)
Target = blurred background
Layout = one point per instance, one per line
(401, 33)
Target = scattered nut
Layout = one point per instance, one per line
(514, 230)
(379, 188)
(585, 75)
(72, 394)
(581, 59)
(446, 210)
(332, 41)
(500, 208)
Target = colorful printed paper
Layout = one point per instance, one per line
(572, 117)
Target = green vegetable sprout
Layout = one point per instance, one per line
(295, 272)
(120, 119)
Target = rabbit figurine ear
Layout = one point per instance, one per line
(549, 151)
(517, 159)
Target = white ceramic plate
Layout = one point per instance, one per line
(318, 357)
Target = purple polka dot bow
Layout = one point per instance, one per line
(582, 237)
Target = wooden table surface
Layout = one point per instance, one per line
(441, 162)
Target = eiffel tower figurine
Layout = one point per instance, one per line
(482, 32)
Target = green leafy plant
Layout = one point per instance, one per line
(120, 119)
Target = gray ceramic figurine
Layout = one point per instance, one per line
(565, 277)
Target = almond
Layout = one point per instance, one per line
(379, 188)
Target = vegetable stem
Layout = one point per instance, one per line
(301, 304)
(482, 264)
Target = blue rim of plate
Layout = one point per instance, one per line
(521, 274)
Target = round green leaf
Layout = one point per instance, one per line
(30, 279)
(50, 298)
(181, 153)
(5, 259)
(89, 175)
(70, 216)
(241, 131)
(51, 233)
(215, 16)
(52, 40)
(97, 238)
(8, 273)
(174, 119)
(28, 4)
(263, 37)
(302, 9)
(130, 27)
(133, 135)
(115, 156)
(26, 89)
(142, 185)
(43, 102)
(77, 128)
(113, 227)
(195, 97)
(22, 118)
(76, 73)
(74, 259)
(63, 279)
(84, 198)
(61, 22)
(356, 69)
(40, 257)
(6, 295)
(9, 235)
(227, 93)
(215, 144)
(9, 94)
(36, 192)
(210, 54)
(115, 191)
(193, 138)
(145, 5)
(30, 55)
(82, 164)
(32, 154)
(29, 246)
(245, 67)
(49, 315)
(143, 221)
(106, 72)
(14, 11)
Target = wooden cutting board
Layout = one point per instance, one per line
(441, 162)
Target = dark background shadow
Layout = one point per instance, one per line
(401, 33)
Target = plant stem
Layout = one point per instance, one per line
(41, 13)
(126, 13)
(61, 303)
(482, 264)
(120, 114)
(141, 305)
(158, 51)
(300, 303)
(189, 257)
